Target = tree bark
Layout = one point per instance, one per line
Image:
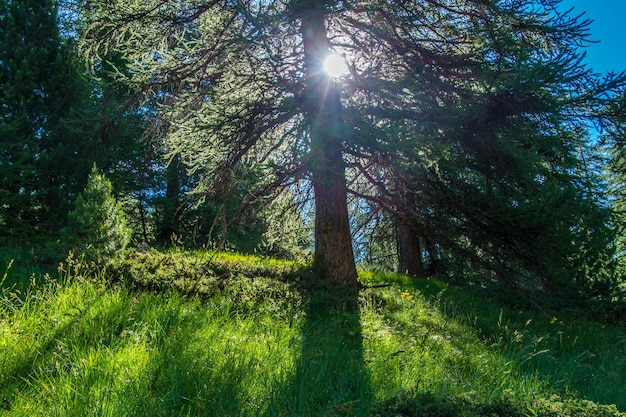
(409, 246)
(409, 250)
(334, 257)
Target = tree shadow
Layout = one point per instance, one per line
(330, 377)
(168, 377)
(533, 343)
(180, 380)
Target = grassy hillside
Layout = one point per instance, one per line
(199, 334)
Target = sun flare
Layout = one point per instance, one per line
(335, 65)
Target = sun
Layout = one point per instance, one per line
(335, 65)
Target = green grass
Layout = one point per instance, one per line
(571, 353)
(199, 334)
(19, 269)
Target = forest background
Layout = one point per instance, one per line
(466, 140)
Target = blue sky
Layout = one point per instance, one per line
(609, 27)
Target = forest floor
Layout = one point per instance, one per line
(205, 334)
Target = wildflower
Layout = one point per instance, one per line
(407, 296)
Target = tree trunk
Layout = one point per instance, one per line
(409, 250)
(334, 257)
(410, 260)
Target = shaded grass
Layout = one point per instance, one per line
(570, 353)
(19, 268)
(201, 334)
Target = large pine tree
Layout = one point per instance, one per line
(458, 113)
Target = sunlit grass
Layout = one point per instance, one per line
(229, 335)
(567, 352)
(100, 351)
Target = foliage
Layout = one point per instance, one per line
(288, 226)
(32, 65)
(224, 219)
(488, 168)
(232, 111)
(613, 125)
(21, 268)
(97, 225)
(55, 123)
(497, 176)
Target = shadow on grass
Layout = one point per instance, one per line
(427, 404)
(19, 267)
(330, 378)
(45, 343)
(178, 380)
(16, 367)
(130, 356)
(575, 357)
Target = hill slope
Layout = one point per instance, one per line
(203, 334)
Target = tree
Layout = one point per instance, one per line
(54, 122)
(334, 257)
(30, 58)
(246, 111)
(613, 128)
(97, 226)
(488, 166)
(444, 99)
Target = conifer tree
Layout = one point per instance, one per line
(467, 106)
(29, 53)
(613, 128)
(54, 122)
(97, 226)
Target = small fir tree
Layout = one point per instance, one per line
(97, 226)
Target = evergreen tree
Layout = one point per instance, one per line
(47, 119)
(488, 166)
(55, 123)
(29, 58)
(97, 226)
(245, 105)
(613, 127)
(458, 113)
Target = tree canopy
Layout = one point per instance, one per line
(466, 120)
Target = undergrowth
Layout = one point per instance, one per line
(205, 334)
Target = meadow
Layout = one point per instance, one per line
(216, 334)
